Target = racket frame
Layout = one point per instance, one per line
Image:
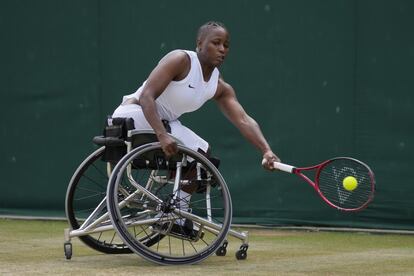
(315, 184)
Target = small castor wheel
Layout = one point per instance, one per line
(68, 250)
(241, 254)
(222, 250)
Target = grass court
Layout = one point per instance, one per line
(36, 248)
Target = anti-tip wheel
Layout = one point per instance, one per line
(222, 250)
(68, 250)
(241, 254)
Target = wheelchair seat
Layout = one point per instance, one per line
(115, 132)
(119, 132)
(114, 135)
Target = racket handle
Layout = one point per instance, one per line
(283, 167)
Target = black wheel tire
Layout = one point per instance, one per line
(142, 249)
(221, 251)
(90, 162)
(67, 247)
(241, 255)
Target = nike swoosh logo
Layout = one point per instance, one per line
(191, 86)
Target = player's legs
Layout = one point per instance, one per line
(189, 139)
(179, 131)
(133, 111)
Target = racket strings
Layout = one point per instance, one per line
(330, 182)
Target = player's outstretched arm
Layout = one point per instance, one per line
(250, 129)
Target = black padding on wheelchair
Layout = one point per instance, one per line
(113, 139)
(142, 139)
(215, 161)
(115, 135)
(146, 138)
(107, 141)
(155, 160)
(119, 127)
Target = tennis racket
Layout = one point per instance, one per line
(343, 183)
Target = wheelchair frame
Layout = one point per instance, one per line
(100, 221)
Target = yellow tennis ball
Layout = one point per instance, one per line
(350, 183)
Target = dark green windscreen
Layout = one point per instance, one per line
(322, 78)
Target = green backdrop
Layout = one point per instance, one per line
(323, 79)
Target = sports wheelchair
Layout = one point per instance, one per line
(126, 197)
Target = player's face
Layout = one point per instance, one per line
(214, 47)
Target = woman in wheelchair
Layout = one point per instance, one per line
(167, 201)
(182, 82)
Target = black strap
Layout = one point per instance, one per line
(166, 125)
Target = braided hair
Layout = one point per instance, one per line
(206, 27)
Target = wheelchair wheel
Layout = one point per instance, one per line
(86, 190)
(145, 191)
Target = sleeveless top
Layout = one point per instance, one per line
(186, 95)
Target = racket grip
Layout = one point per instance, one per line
(283, 167)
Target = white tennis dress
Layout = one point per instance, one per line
(179, 97)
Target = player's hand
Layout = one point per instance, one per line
(268, 158)
(168, 145)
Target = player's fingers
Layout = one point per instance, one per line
(271, 165)
(172, 149)
(268, 164)
(168, 152)
(169, 148)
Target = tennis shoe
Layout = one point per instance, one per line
(187, 231)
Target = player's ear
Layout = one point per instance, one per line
(198, 43)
